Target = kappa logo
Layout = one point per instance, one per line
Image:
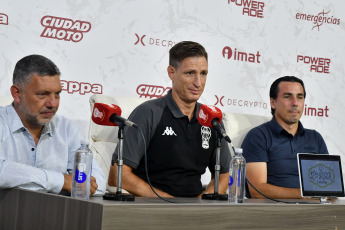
(169, 132)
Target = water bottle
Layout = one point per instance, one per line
(237, 177)
(82, 172)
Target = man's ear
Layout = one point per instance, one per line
(171, 72)
(16, 93)
(272, 102)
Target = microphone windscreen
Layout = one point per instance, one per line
(102, 112)
(207, 114)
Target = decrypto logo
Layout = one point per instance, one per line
(81, 87)
(64, 28)
(236, 102)
(319, 19)
(228, 53)
(317, 64)
(250, 8)
(152, 91)
(142, 40)
(3, 19)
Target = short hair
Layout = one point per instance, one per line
(275, 89)
(33, 64)
(183, 50)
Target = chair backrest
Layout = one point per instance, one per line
(5, 100)
(237, 125)
(103, 139)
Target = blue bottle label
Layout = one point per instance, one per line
(231, 180)
(80, 177)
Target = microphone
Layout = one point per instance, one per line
(109, 115)
(211, 116)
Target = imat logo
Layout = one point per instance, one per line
(81, 87)
(3, 19)
(152, 91)
(64, 28)
(250, 8)
(237, 55)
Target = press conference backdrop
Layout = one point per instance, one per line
(120, 48)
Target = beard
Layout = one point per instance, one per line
(34, 120)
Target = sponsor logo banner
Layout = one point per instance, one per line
(317, 64)
(3, 19)
(319, 19)
(64, 28)
(81, 87)
(249, 7)
(237, 55)
(152, 91)
(143, 40)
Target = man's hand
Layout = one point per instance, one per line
(93, 186)
(67, 185)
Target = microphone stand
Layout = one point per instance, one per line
(216, 195)
(118, 196)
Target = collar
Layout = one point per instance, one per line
(16, 123)
(176, 111)
(277, 129)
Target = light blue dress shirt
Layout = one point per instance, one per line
(40, 168)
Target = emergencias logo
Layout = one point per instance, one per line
(317, 64)
(143, 40)
(250, 8)
(64, 28)
(228, 53)
(81, 87)
(3, 19)
(152, 91)
(319, 19)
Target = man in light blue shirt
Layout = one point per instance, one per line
(36, 147)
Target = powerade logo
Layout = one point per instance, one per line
(319, 19)
(3, 19)
(317, 64)
(64, 28)
(81, 87)
(250, 8)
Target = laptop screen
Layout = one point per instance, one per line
(320, 175)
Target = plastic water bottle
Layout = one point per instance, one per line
(82, 172)
(237, 177)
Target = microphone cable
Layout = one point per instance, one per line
(146, 169)
(276, 200)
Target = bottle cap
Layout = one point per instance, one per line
(238, 150)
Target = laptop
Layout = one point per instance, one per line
(320, 175)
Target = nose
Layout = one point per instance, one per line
(197, 80)
(294, 101)
(52, 101)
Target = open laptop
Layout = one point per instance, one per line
(320, 175)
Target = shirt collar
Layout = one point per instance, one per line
(17, 124)
(176, 111)
(277, 129)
